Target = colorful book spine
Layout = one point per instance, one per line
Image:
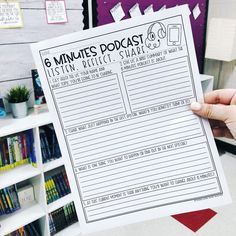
(17, 150)
(51, 191)
(1, 156)
(5, 205)
(62, 218)
(12, 190)
(56, 186)
(9, 201)
(11, 152)
(59, 184)
(6, 158)
(49, 145)
(51, 225)
(66, 180)
(27, 230)
(20, 147)
(1, 206)
(31, 147)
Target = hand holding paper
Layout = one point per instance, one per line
(220, 107)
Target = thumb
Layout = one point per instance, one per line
(211, 111)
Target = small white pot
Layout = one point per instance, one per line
(19, 110)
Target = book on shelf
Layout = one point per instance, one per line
(49, 145)
(2, 108)
(31, 147)
(16, 150)
(38, 90)
(9, 201)
(51, 225)
(27, 230)
(62, 218)
(56, 186)
(45, 149)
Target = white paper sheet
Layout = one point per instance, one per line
(117, 12)
(135, 11)
(120, 98)
(56, 11)
(196, 11)
(149, 10)
(10, 14)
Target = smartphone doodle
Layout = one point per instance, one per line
(174, 34)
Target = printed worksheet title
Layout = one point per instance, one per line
(91, 56)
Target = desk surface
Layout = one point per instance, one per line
(223, 224)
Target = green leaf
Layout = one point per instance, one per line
(18, 94)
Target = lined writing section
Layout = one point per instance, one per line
(153, 166)
(120, 166)
(132, 134)
(157, 176)
(147, 86)
(153, 198)
(88, 101)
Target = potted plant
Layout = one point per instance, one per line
(18, 98)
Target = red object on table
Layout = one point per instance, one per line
(196, 219)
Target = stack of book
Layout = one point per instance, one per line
(49, 145)
(56, 186)
(62, 218)
(16, 150)
(28, 230)
(9, 201)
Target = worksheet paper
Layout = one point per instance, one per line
(120, 97)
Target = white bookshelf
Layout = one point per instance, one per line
(53, 164)
(60, 202)
(72, 230)
(17, 175)
(37, 117)
(21, 217)
(39, 209)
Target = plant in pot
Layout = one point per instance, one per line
(18, 97)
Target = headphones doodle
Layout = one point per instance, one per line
(156, 31)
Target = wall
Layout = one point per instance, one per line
(225, 9)
(15, 57)
(16, 60)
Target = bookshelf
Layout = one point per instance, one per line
(71, 230)
(12, 222)
(60, 203)
(53, 164)
(36, 118)
(38, 210)
(17, 175)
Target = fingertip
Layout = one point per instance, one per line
(196, 106)
(222, 132)
(217, 132)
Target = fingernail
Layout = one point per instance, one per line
(196, 106)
